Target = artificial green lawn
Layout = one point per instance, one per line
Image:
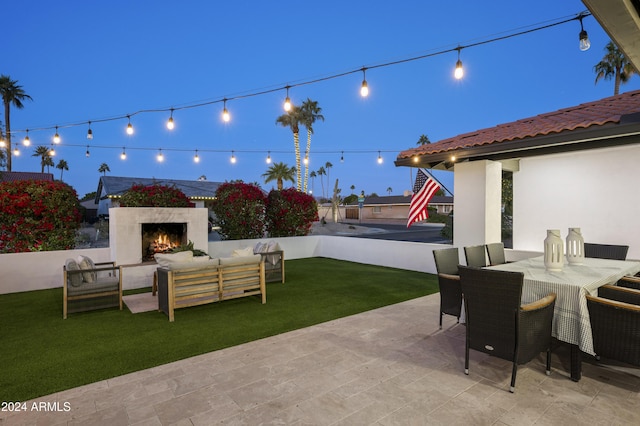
(42, 353)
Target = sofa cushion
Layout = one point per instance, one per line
(166, 259)
(209, 263)
(75, 280)
(201, 259)
(85, 263)
(247, 251)
(244, 260)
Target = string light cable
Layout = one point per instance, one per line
(279, 88)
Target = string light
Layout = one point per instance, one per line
(226, 117)
(26, 141)
(123, 156)
(269, 157)
(342, 157)
(3, 143)
(56, 137)
(459, 72)
(160, 156)
(233, 158)
(287, 101)
(306, 160)
(52, 152)
(364, 89)
(196, 159)
(87, 154)
(129, 126)
(379, 158)
(16, 151)
(585, 44)
(170, 124)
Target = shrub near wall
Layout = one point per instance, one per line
(239, 208)
(154, 196)
(37, 216)
(290, 213)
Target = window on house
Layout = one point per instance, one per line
(377, 209)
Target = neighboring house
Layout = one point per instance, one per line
(111, 188)
(90, 213)
(562, 163)
(17, 176)
(394, 207)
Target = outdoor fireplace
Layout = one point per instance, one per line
(161, 238)
(129, 225)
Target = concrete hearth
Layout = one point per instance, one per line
(125, 229)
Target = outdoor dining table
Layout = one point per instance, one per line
(571, 317)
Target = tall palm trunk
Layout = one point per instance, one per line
(7, 128)
(616, 87)
(296, 143)
(306, 155)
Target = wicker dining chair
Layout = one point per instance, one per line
(447, 261)
(630, 282)
(606, 251)
(615, 323)
(498, 324)
(475, 256)
(495, 252)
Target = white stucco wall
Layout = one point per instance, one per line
(594, 190)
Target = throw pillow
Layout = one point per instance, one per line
(247, 251)
(165, 260)
(86, 263)
(259, 248)
(74, 279)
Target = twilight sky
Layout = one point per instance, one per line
(90, 61)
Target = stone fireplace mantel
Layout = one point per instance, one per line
(125, 229)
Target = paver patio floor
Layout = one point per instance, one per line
(389, 366)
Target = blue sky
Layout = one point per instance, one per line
(83, 61)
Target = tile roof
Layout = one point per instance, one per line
(117, 185)
(17, 176)
(597, 113)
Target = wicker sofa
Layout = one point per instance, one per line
(89, 286)
(196, 282)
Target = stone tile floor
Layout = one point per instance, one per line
(390, 366)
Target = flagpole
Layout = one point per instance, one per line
(439, 183)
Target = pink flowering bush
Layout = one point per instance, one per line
(239, 208)
(37, 216)
(290, 213)
(154, 196)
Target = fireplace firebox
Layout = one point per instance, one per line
(161, 238)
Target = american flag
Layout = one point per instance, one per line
(423, 190)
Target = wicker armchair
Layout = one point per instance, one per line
(615, 323)
(495, 251)
(605, 251)
(497, 323)
(447, 261)
(475, 256)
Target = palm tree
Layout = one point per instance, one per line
(45, 156)
(353, 187)
(313, 176)
(389, 190)
(12, 93)
(309, 112)
(292, 120)
(321, 172)
(423, 140)
(614, 64)
(104, 168)
(279, 172)
(62, 165)
(328, 166)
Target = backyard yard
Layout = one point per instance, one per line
(43, 354)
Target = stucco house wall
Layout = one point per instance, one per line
(595, 190)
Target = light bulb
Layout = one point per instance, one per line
(233, 158)
(379, 158)
(129, 129)
(160, 156)
(16, 151)
(2, 143)
(459, 72)
(89, 132)
(226, 117)
(52, 152)
(196, 159)
(342, 157)
(56, 137)
(287, 104)
(170, 124)
(26, 141)
(123, 156)
(364, 90)
(585, 44)
(269, 158)
(306, 160)
(87, 154)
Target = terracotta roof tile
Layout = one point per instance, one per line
(597, 113)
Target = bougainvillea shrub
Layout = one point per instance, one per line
(38, 216)
(154, 196)
(239, 208)
(290, 213)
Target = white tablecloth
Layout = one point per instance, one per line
(571, 317)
